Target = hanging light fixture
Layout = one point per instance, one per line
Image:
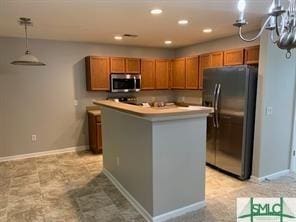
(280, 22)
(27, 59)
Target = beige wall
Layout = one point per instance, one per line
(40, 100)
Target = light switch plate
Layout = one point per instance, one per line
(268, 111)
(34, 138)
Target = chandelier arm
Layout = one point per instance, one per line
(277, 26)
(272, 37)
(257, 36)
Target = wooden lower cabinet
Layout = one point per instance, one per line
(147, 74)
(234, 57)
(252, 55)
(179, 73)
(95, 133)
(191, 73)
(162, 73)
(97, 73)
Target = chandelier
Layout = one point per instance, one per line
(280, 22)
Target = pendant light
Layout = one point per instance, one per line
(28, 59)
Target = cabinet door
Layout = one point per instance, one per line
(97, 73)
(252, 55)
(95, 133)
(92, 132)
(234, 57)
(204, 62)
(179, 74)
(162, 73)
(192, 73)
(147, 73)
(99, 136)
(132, 65)
(217, 59)
(117, 65)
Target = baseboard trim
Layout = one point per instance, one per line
(179, 212)
(44, 153)
(143, 212)
(270, 176)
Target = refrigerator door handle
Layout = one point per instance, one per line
(214, 102)
(216, 117)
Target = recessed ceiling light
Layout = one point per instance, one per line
(156, 11)
(207, 30)
(118, 37)
(168, 42)
(183, 22)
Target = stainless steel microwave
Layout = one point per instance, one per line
(125, 83)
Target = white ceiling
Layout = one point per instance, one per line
(99, 20)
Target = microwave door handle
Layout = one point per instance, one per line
(135, 83)
(111, 81)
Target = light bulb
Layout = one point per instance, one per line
(241, 5)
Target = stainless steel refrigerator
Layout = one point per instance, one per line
(231, 91)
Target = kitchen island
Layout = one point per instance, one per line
(156, 156)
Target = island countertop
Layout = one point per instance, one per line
(152, 112)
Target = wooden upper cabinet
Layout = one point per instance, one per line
(252, 55)
(205, 61)
(162, 73)
(132, 65)
(97, 73)
(117, 65)
(191, 73)
(217, 59)
(234, 57)
(179, 73)
(147, 74)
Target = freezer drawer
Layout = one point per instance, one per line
(229, 143)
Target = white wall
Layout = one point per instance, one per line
(39, 100)
(276, 88)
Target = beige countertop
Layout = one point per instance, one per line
(95, 112)
(154, 111)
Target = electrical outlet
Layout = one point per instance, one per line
(268, 111)
(117, 161)
(75, 102)
(34, 138)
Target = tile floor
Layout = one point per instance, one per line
(70, 187)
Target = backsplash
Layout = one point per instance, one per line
(187, 96)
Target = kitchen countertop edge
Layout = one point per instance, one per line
(153, 112)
